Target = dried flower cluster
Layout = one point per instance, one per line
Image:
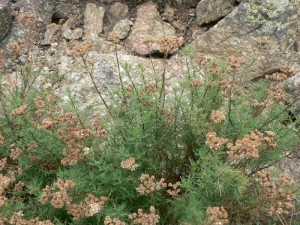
(259, 104)
(217, 116)
(39, 103)
(15, 152)
(202, 60)
(4, 184)
(32, 146)
(18, 186)
(3, 163)
(143, 218)
(217, 215)
(168, 44)
(196, 82)
(28, 20)
(149, 185)
(278, 193)
(277, 94)
(114, 38)
(60, 199)
(168, 116)
(215, 69)
(230, 88)
(214, 142)
(71, 134)
(279, 77)
(19, 111)
(173, 189)
(235, 62)
(247, 147)
(47, 104)
(17, 47)
(129, 164)
(17, 220)
(109, 221)
(81, 49)
(288, 70)
(91, 206)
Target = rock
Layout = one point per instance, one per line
(118, 11)
(69, 31)
(240, 32)
(148, 27)
(105, 73)
(51, 33)
(121, 29)
(42, 8)
(93, 21)
(5, 18)
(179, 26)
(168, 14)
(106, 47)
(208, 11)
(62, 10)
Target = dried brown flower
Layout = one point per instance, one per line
(213, 142)
(129, 164)
(19, 111)
(278, 194)
(81, 49)
(173, 189)
(248, 146)
(109, 221)
(16, 153)
(217, 215)
(196, 82)
(168, 44)
(279, 77)
(19, 186)
(143, 218)
(217, 116)
(149, 185)
(235, 62)
(3, 163)
(278, 94)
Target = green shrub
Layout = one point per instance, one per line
(202, 154)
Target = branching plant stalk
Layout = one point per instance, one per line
(230, 97)
(96, 88)
(119, 72)
(160, 158)
(162, 91)
(189, 78)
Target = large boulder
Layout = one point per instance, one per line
(5, 18)
(106, 75)
(209, 11)
(43, 9)
(93, 21)
(148, 28)
(266, 33)
(33, 18)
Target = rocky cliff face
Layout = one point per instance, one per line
(266, 33)
(5, 18)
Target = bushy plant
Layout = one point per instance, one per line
(200, 152)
